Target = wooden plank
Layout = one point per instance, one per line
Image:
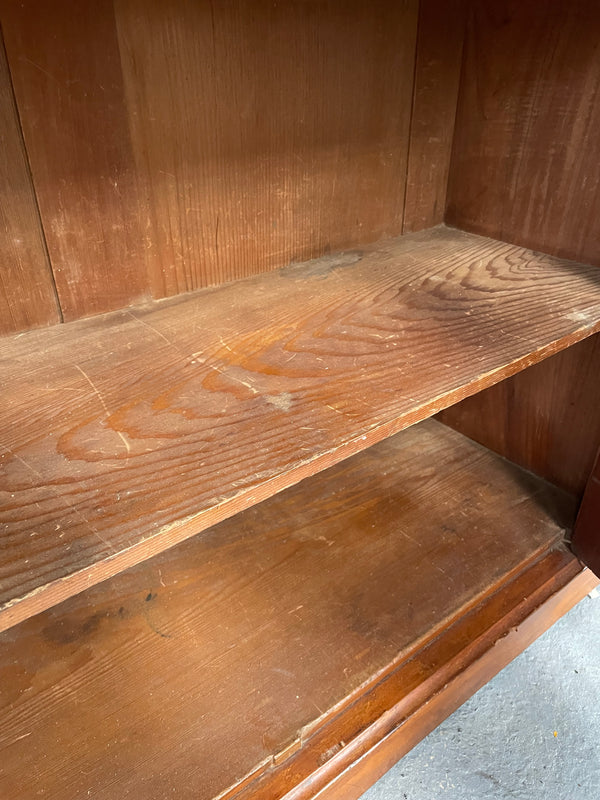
(65, 64)
(291, 131)
(215, 660)
(287, 145)
(547, 418)
(586, 536)
(526, 157)
(547, 592)
(125, 434)
(27, 294)
(437, 77)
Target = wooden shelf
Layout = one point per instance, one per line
(124, 434)
(246, 655)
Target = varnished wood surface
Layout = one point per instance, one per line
(546, 418)
(181, 144)
(526, 156)
(586, 536)
(65, 64)
(125, 434)
(220, 658)
(266, 132)
(27, 294)
(437, 76)
(508, 624)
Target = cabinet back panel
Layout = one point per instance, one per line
(65, 66)
(266, 133)
(27, 296)
(526, 157)
(437, 75)
(179, 144)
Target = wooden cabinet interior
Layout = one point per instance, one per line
(236, 393)
(237, 208)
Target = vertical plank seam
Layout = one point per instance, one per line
(412, 114)
(31, 180)
(466, 14)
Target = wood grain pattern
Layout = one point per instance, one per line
(27, 294)
(519, 615)
(266, 132)
(64, 59)
(526, 157)
(122, 435)
(214, 661)
(546, 418)
(176, 145)
(437, 76)
(586, 536)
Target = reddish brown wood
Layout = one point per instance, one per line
(215, 660)
(176, 145)
(382, 745)
(546, 418)
(266, 132)
(526, 168)
(125, 434)
(437, 74)
(586, 537)
(65, 64)
(526, 158)
(27, 294)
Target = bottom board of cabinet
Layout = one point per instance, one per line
(270, 654)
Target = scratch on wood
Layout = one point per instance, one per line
(104, 406)
(224, 344)
(151, 327)
(63, 500)
(239, 380)
(217, 239)
(41, 69)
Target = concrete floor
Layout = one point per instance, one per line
(532, 732)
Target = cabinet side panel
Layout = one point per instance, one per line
(266, 132)
(546, 418)
(27, 295)
(526, 157)
(437, 74)
(65, 65)
(586, 537)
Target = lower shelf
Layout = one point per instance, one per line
(274, 652)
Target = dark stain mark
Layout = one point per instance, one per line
(150, 597)
(321, 267)
(62, 632)
(152, 626)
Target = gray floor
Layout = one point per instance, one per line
(532, 732)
